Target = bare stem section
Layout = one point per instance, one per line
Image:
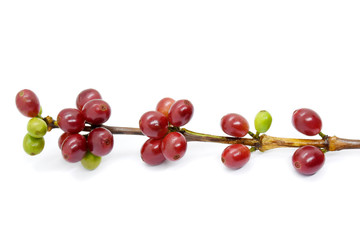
(119, 130)
(263, 143)
(201, 137)
(269, 142)
(266, 142)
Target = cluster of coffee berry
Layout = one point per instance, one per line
(99, 142)
(308, 160)
(28, 104)
(236, 156)
(161, 126)
(91, 110)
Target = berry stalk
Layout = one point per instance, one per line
(264, 143)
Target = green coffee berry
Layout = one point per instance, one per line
(37, 127)
(263, 121)
(90, 161)
(33, 146)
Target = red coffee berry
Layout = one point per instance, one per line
(86, 96)
(307, 121)
(62, 139)
(164, 106)
(153, 124)
(100, 141)
(71, 120)
(234, 125)
(173, 146)
(74, 148)
(180, 113)
(96, 111)
(151, 152)
(235, 156)
(308, 160)
(28, 103)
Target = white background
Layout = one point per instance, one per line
(224, 56)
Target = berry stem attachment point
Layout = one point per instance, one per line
(252, 149)
(252, 134)
(50, 123)
(322, 135)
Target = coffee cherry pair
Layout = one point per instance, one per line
(89, 149)
(28, 104)
(307, 160)
(157, 125)
(236, 156)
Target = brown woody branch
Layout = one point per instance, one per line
(263, 143)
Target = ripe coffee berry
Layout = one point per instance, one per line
(307, 121)
(71, 120)
(62, 139)
(235, 156)
(74, 148)
(27, 103)
(100, 141)
(235, 125)
(181, 113)
(174, 146)
(308, 160)
(153, 124)
(151, 152)
(86, 96)
(164, 106)
(96, 111)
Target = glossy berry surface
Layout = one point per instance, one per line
(71, 120)
(90, 161)
(173, 146)
(33, 146)
(164, 106)
(74, 148)
(153, 124)
(27, 103)
(235, 156)
(151, 152)
(308, 160)
(86, 96)
(307, 121)
(262, 121)
(96, 111)
(234, 125)
(37, 127)
(100, 141)
(62, 139)
(181, 113)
